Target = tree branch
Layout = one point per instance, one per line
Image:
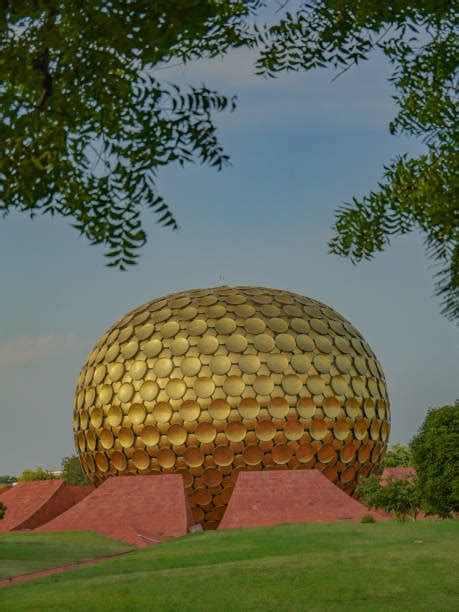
(42, 64)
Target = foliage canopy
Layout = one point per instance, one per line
(399, 455)
(38, 474)
(86, 121)
(419, 39)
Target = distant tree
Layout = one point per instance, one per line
(3, 510)
(398, 496)
(72, 472)
(435, 452)
(399, 455)
(38, 474)
(8, 480)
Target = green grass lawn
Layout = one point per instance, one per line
(321, 566)
(22, 553)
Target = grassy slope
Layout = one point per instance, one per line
(29, 552)
(334, 566)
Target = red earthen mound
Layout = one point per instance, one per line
(31, 504)
(287, 496)
(141, 510)
(397, 473)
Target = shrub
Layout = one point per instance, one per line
(398, 496)
(368, 518)
(2, 510)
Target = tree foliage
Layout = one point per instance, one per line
(435, 452)
(419, 39)
(7, 480)
(72, 472)
(86, 121)
(399, 496)
(399, 455)
(38, 474)
(3, 510)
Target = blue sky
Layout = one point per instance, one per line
(300, 146)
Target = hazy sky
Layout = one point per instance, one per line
(300, 146)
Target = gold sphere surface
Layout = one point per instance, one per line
(210, 382)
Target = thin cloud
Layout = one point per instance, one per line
(362, 97)
(34, 348)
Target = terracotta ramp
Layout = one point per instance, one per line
(141, 510)
(31, 504)
(397, 473)
(287, 496)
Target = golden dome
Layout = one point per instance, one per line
(210, 382)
